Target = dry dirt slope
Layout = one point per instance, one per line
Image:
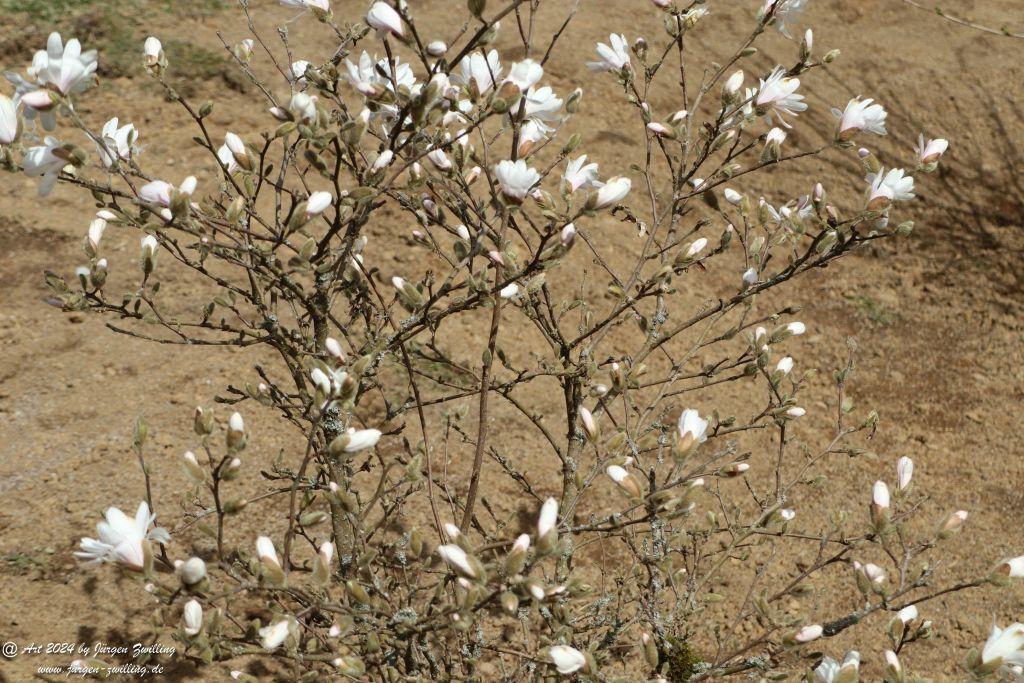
(938, 317)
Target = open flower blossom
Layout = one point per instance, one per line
(385, 20)
(614, 57)
(777, 95)
(786, 12)
(60, 68)
(929, 152)
(566, 659)
(192, 616)
(612, 192)
(302, 107)
(579, 174)
(516, 179)
(887, 187)
(45, 161)
(1004, 646)
(372, 76)
(542, 107)
(525, 74)
(10, 119)
(830, 671)
(116, 142)
(861, 115)
(692, 427)
(123, 540)
(478, 73)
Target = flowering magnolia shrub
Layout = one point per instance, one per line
(660, 538)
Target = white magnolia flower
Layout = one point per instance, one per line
(692, 426)
(861, 115)
(784, 366)
(566, 659)
(888, 187)
(525, 74)
(516, 179)
(1014, 567)
(796, 412)
(928, 153)
(872, 572)
(152, 49)
(829, 671)
(318, 203)
(614, 57)
(732, 196)
(478, 73)
(192, 615)
(44, 162)
(10, 119)
(96, 229)
(457, 559)
(750, 276)
(385, 19)
(777, 95)
(808, 633)
(907, 614)
(326, 553)
(274, 635)
(904, 472)
(116, 142)
(383, 160)
(439, 159)
(302, 107)
(60, 68)
(542, 106)
(734, 83)
(192, 570)
(266, 552)
(696, 247)
(776, 136)
(579, 174)
(1004, 646)
(161, 193)
(361, 439)
(547, 521)
(796, 328)
(322, 5)
(879, 499)
(437, 48)
(509, 291)
(612, 192)
(786, 12)
(372, 76)
(122, 540)
(297, 72)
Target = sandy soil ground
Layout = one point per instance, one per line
(937, 316)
